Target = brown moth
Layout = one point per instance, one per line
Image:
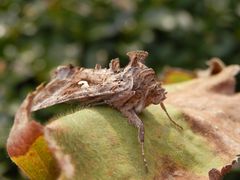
(128, 89)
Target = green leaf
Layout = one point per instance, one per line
(101, 144)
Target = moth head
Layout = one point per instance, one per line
(156, 94)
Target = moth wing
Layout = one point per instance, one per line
(59, 91)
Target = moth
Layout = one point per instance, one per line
(129, 89)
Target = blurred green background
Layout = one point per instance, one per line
(38, 35)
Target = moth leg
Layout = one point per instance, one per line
(137, 122)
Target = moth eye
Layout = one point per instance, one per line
(83, 84)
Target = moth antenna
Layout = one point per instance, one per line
(169, 117)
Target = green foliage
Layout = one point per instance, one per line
(36, 36)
